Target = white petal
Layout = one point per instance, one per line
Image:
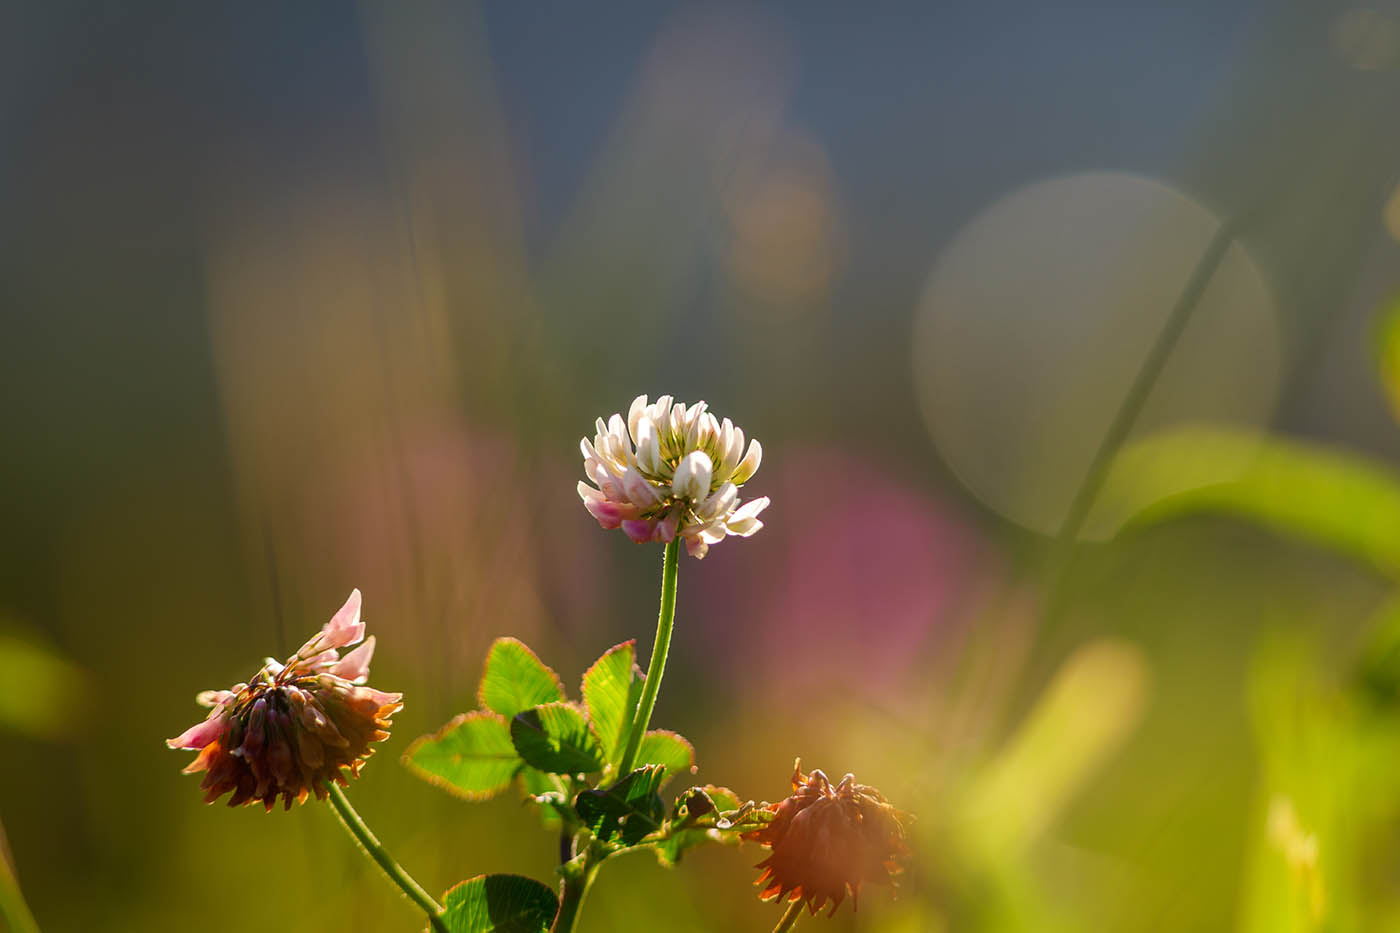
(634, 416)
(720, 503)
(744, 521)
(749, 466)
(694, 425)
(648, 448)
(692, 479)
(618, 429)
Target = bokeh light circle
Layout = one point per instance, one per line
(1040, 312)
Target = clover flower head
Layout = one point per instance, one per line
(296, 724)
(828, 839)
(670, 469)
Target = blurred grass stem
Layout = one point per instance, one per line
(1144, 382)
(12, 906)
(789, 917)
(357, 828)
(657, 667)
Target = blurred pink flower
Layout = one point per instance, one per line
(297, 725)
(671, 470)
(858, 609)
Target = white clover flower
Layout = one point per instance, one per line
(671, 470)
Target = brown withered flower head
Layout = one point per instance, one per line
(828, 839)
(295, 725)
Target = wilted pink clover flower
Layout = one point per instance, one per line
(296, 725)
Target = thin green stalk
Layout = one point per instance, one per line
(789, 918)
(372, 846)
(657, 667)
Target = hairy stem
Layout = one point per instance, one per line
(577, 878)
(356, 827)
(657, 667)
(789, 918)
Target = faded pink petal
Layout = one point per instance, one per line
(345, 627)
(201, 734)
(639, 530)
(354, 667)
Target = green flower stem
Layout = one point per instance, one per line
(357, 828)
(578, 875)
(657, 667)
(789, 918)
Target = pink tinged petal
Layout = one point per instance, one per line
(666, 528)
(201, 734)
(639, 530)
(611, 487)
(354, 667)
(692, 479)
(607, 514)
(634, 417)
(749, 466)
(345, 627)
(642, 493)
(696, 548)
(214, 697)
(378, 696)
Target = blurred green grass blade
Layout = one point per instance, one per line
(1388, 352)
(1335, 500)
(1089, 709)
(13, 909)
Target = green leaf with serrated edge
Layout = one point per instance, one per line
(499, 904)
(556, 737)
(611, 689)
(628, 810)
(472, 756)
(724, 798)
(537, 784)
(668, 749)
(515, 679)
